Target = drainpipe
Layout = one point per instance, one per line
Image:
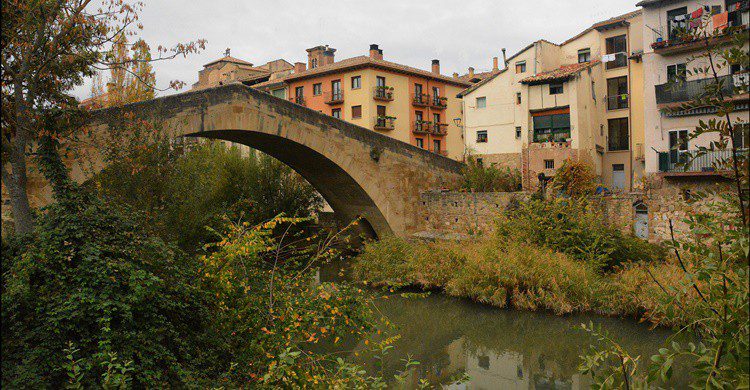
(630, 115)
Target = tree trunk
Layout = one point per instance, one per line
(23, 218)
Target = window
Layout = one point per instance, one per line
(420, 143)
(481, 136)
(317, 89)
(678, 140)
(436, 146)
(742, 136)
(518, 97)
(356, 112)
(417, 89)
(482, 102)
(549, 164)
(618, 134)
(314, 63)
(336, 93)
(336, 113)
(617, 93)
(676, 73)
(418, 116)
(520, 66)
(299, 92)
(584, 55)
(356, 82)
(676, 22)
(552, 127)
(518, 132)
(483, 362)
(436, 118)
(618, 46)
(556, 89)
(279, 93)
(380, 81)
(435, 92)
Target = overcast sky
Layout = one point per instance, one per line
(460, 33)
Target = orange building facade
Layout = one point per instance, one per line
(402, 102)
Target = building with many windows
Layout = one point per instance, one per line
(412, 105)
(553, 102)
(668, 59)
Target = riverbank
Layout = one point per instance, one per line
(520, 276)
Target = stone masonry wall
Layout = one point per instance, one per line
(464, 214)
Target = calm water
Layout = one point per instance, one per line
(494, 348)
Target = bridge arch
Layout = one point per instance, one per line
(358, 171)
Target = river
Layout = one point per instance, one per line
(490, 348)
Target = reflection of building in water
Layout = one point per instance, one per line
(488, 369)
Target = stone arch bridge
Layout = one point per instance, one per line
(359, 172)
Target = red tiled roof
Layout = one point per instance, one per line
(365, 61)
(229, 59)
(562, 73)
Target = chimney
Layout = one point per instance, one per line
(505, 59)
(436, 66)
(328, 55)
(471, 72)
(494, 64)
(299, 67)
(375, 52)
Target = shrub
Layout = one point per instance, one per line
(181, 194)
(480, 178)
(574, 178)
(575, 227)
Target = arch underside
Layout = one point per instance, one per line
(346, 197)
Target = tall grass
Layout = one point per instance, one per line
(517, 275)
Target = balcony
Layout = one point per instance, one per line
(617, 102)
(421, 100)
(684, 91)
(385, 123)
(693, 163)
(439, 102)
(298, 99)
(682, 42)
(383, 93)
(439, 128)
(421, 127)
(335, 97)
(621, 60)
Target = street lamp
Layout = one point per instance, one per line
(457, 121)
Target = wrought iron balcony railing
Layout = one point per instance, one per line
(683, 91)
(421, 99)
(617, 102)
(385, 123)
(384, 93)
(334, 97)
(298, 99)
(439, 128)
(421, 127)
(694, 161)
(439, 102)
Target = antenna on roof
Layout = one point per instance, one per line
(226, 53)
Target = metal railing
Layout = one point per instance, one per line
(439, 128)
(421, 127)
(421, 99)
(617, 102)
(385, 123)
(334, 97)
(383, 93)
(695, 161)
(298, 99)
(439, 102)
(683, 91)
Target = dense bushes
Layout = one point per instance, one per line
(91, 296)
(480, 178)
(182, 192)
(575, 227)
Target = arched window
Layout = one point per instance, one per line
(314, 63)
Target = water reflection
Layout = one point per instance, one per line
(495, 349)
